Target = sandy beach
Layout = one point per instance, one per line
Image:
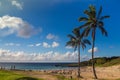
(107, 73)
(112, 72)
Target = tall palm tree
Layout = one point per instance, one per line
(93, 20)
(76, 41)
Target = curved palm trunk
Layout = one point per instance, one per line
(93, 62)
(78, 61)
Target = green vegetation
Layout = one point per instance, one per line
(9, 75)
(60, 77)
(101, 62)
(111, 62)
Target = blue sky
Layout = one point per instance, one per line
(30, 28)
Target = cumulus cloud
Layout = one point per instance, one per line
(12, 44)
(20, 56)
(51, 36)
(17, 4)
(95, 50)
(55, 44)
(46, 45)
(15, 25)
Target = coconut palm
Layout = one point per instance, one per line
(93, 20)
(76, 41)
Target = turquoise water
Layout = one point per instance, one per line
(33, 66)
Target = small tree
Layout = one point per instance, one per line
(76, 41)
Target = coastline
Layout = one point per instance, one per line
(112, 72)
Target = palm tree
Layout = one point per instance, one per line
(93, 21)
(77, 41)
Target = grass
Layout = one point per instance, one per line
(9, 75)
(60, 77)
(112, 62)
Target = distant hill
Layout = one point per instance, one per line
(100, 61)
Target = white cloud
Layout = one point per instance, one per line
(55, 44)
(46, 45)
(20, 56)
(12, 44)
(15, 25)
(51, 36)
(31, 45)
(38, 44)
(17, 4)
(34, 45)
(95, 50)
(68, 47)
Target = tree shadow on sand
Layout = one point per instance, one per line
(26, 78)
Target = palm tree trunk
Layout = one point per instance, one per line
(93, 61)
(78, 61)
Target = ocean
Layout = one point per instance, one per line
(34, 66)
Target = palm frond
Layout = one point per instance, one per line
(100, 23)
(86, 41)
(75, 48)
(76, 32)
(82, 19)
(99, 13)
(103, 17)
(83, 45)
(92, 11)
(87, 12)
(71, 36)
(87, 31)
(104, 32)
(71, 43)
(84, 25)
(92, 8)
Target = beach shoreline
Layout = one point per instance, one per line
(110, 73)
